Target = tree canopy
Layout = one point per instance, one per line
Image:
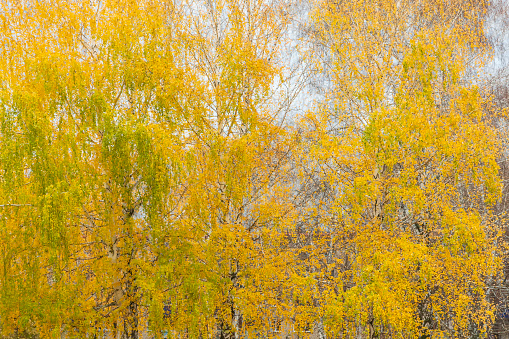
(157, 176)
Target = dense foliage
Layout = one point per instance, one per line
(157, 179)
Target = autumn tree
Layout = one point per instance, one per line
(406, 164)
(143, 167)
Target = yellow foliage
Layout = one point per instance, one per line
(149, 183)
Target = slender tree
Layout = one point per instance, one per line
(142, 166)
(406, 162)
